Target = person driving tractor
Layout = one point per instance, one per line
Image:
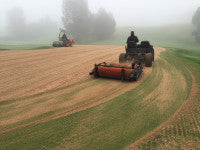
(64, 37)
(132, 38)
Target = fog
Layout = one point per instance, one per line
(148, 12)
(34, 11)
(125, 12)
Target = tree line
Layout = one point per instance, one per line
(19, 29)
(196, 22)
(85, 26)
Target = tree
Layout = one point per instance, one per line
(19, 29)
(196, 22)
(44, 28)
(76, 18)
(85, 26)
(103, 25)
(16, 22)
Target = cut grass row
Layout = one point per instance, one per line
(184, 131)
(14, 108)
(23, 47)
(112, 125)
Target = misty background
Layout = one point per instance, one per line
(154, 20)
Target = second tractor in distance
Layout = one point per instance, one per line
(63, 40)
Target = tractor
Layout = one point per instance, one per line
(138, 53)
(63, 40)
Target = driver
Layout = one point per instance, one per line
(132, 38)
(64, 37)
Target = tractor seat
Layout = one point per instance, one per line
(145, 44)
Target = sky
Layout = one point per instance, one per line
(148, 12)
(126, 12)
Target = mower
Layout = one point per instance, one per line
(63, 40)
(138, 53)
(130, 72)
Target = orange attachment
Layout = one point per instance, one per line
(129, 72)
(119, 65)
(113, 72)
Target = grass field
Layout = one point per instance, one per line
(183, 130)
(41, 43)
(48, 101)
(23, 46)
(115, 124)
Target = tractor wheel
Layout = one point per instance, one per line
(134, 78)
(148, 60)
(122, 58)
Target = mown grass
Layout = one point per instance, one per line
(23, 47)
(112, 125)
(60, 96)
(4, 49)
(40, 94)
(42, 47)
(184, 131)
(124, 119)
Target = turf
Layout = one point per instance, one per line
(112, 125)
(182, 133)
(23, 47)
(123, 120)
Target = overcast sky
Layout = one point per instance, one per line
(148, 12)
(126, 12)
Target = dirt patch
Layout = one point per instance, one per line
(26, 73)
(57, 68)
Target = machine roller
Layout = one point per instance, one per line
(130, 72)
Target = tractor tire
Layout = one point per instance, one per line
(148, 60)
(134, 78)
(122, 58)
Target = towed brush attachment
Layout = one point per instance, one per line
(129, 72)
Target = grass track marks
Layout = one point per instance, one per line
(25, 73)
(111, 125)
(182, 131)
(60, 102)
